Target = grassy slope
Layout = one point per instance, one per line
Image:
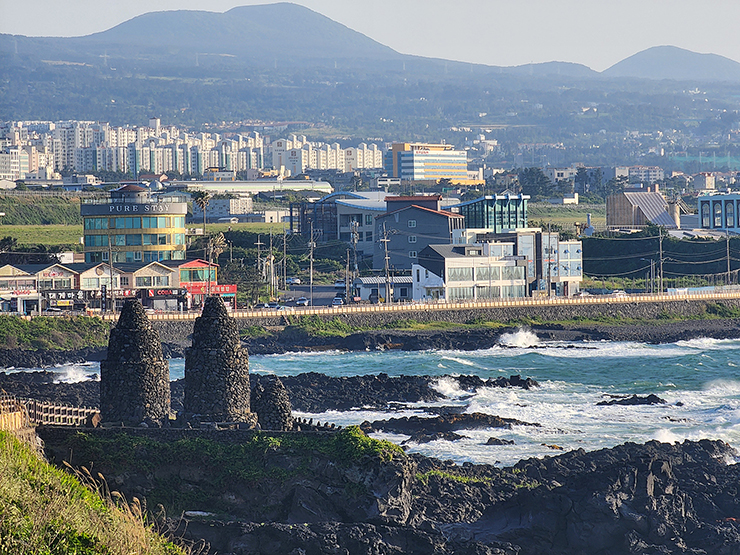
(46, 511)
(46, 332)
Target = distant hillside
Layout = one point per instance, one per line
(268, 35)
(671, 62)
(567, 69)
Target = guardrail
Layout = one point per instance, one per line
(432, 306)
(441, 306)
(16, 413)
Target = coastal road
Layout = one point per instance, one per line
(322, 294)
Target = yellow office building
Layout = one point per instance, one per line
(132, 225)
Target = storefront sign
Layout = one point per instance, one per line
(214, 289)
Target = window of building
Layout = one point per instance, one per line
(729, 214)
(418, 274)
(368, 219)
(124, 281)
(133, 240)
(460, 274)
(369, 236)
(412, 223)
(717, 214)
(705, 220)
(152, 281)
(412, 238)
(412, 254)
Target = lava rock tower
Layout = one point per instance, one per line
(217, 369)
(134, 377)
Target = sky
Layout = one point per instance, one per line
(596, 33)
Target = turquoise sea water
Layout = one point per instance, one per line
(699, 379)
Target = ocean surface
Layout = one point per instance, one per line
(699, 379)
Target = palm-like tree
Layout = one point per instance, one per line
(202, 199)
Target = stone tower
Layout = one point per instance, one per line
(134, 377)
(217, 369)
(271, 402)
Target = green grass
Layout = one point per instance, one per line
(59, 332)
(424, 478)
(50, 235)
(566, 215)
(46, 511)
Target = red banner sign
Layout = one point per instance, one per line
(215, 289)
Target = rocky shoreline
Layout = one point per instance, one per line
(464, 339)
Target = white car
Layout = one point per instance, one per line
(302, 301)
(337, 301)
(292, 281)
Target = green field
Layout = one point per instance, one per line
(69, 235)
(566, 216)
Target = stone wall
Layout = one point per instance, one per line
(217, 369)
(134, 377)
(178, 331)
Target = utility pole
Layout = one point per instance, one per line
(110, 269)
(727, 241)
(258, 244)
(285, 257)
(355, 237)
(660, 243)
(549, 261)
(271, 258)
(346, 278)
(210, 254)
(385, 240)
(311, 245)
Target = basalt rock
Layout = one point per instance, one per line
(271, 403)
(413, 425)
(217, 369)
(651, 399)
(134, 377)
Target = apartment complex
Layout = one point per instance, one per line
(87, 146)
(295, 155)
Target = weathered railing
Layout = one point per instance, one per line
(466, 305)
(16, 413)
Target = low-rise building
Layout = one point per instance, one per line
(409, 225)
(483, 271)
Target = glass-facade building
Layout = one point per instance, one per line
(131, 225)
(497, 213)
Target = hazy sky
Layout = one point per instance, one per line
(597, 33)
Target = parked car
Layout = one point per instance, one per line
(339, 284)
(274, 305)
(292, 281)
(302, 301)
(337, 301)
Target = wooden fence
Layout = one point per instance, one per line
(17, 413)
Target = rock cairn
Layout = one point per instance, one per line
(217, 369)
(271, 402)
(134, 377)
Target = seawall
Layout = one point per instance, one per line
(178, 331)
